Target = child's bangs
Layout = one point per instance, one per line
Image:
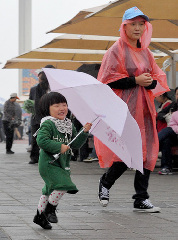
(57, 98)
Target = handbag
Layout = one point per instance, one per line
(168, 116)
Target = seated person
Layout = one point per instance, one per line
(172, 107)
(165, 101)
(168, 138)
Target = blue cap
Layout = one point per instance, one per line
(132, 13)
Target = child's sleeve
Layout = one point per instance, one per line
(44, 139)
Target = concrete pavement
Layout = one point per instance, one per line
(80, 216)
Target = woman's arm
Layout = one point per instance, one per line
(129, 82)
(174, 122)
(124, 83)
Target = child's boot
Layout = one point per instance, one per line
(42, 220)
(50, 212)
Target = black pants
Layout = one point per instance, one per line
(9, 132)
(34, 155)
(140, 182)
(167, 138)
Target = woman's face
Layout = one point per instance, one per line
(135, 29)
(58, 110)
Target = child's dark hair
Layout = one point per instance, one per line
(49, 99)
(165, 95)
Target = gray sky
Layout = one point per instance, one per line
(46, 15)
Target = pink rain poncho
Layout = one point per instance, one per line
(121, 61)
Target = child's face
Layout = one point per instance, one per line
(58, 110)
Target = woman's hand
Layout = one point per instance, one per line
(64, 148)
(144, 79)
(87, 127)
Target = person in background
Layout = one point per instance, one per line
(129, 68)
(85, 153)
(18, 118)
(92, 156)
(2, 137)
(164, 101)
(36, 93)
(53, 137)
(34, 125)
(165, 113)
(168, 138)
(28, 122)
(8, 118)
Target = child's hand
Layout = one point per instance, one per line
(64, 148)
(87, 127)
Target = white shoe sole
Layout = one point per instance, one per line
(90, 160)
(103, 203)
(165, 173)
(151, 210)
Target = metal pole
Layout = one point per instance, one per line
(25, 32)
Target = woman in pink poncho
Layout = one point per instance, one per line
(129, 68)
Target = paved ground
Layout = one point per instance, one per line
(81, 216)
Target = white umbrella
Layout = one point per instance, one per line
(89, 99)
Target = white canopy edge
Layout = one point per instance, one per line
(47, 60)
(68, 50)
(94, 9)
(84, 51)
(108, 38)
(87, 37)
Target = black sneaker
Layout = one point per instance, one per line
(50, 212)
(42, 220)
(9, 152)
(103, 195)
(33, 161)
(145, 206)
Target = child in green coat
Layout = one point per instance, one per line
(55, 132)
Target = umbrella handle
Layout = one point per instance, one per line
(56, 156)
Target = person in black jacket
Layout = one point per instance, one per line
(36, 92)
(2, 137)
(8, 121)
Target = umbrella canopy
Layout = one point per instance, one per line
(107, 20)
(68, 51)
(89, 99)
